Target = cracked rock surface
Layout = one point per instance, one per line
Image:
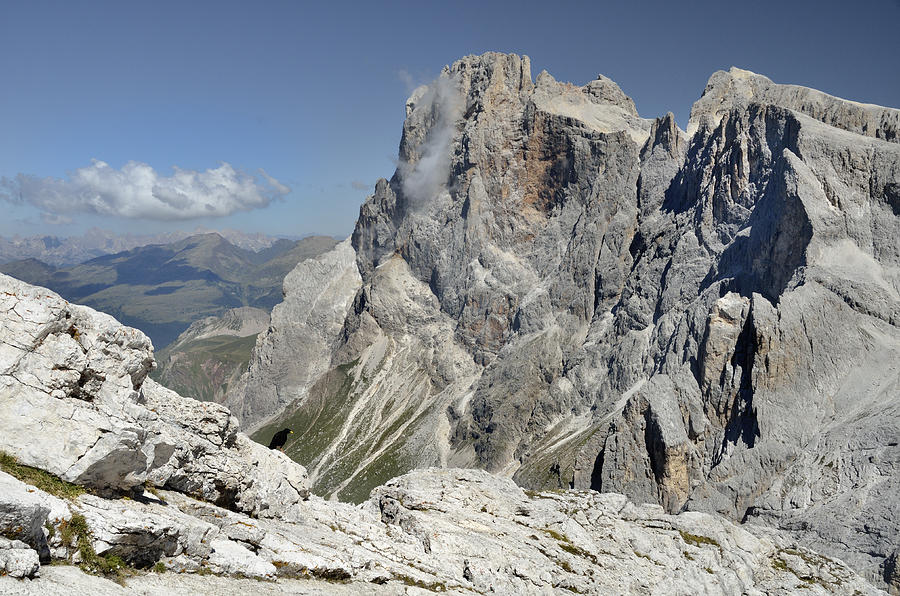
(77, 402)
(457, 531)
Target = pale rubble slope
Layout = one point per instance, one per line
(238, 322)
(705, 320)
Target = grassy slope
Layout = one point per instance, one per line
(204, 369)
(318, 422)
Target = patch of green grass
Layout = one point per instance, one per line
(148, 486)
(392, 462)
(698, 541)
(579, 552)
(317, 420)
(160, 567)
(555, 535)
(431, 586)
(75, 532)
(203, 368)
(40, 479)
(811, 560)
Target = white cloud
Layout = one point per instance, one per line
(409, 81)
(425, 177)
(138, 191)
(54, 219)
(360, 185)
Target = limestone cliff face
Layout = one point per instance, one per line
(296, 347)
(558, 290)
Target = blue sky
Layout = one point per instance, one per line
(313, 93)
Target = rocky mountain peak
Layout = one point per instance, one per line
(555, 289)
(605, 90)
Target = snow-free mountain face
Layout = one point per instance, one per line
(553, 288)
(209, 356)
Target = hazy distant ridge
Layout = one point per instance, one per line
(71, 250)
(163, 288)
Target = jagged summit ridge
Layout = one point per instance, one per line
(737, 88)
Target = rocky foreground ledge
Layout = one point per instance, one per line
(125, 480)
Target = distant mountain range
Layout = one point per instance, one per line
(163, 288)
(95, 243)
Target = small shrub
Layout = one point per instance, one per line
(290, 570)
(333, 575)
(76, 532)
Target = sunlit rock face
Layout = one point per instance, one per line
(77, 403)
(555, 289)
